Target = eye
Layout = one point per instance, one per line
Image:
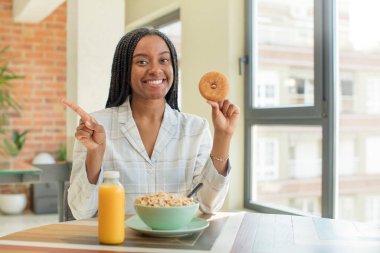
(165, 60)
(142, 62)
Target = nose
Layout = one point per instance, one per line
(155, 69)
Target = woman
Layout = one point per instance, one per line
(142, 134)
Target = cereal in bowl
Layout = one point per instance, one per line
(163, 199)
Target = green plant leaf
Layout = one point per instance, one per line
(7, 102)
(11, 149)
(21, 139)
(15, 136)
(62, 154)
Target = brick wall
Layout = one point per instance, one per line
(37, 51)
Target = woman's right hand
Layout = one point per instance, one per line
(89, 132)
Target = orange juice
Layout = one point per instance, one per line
(111, 209)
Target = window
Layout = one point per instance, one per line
(372, 158)
(287, 163)
(266, 159)
(348, 156)
(373, 95)
(347, 207)
(267, 89)
(313, 88)
(347, 87)
(284, 121)
(372, 209)
(307, 205)
(359, 116)
(284, 32)
(346, 95)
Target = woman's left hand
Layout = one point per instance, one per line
(225, 116)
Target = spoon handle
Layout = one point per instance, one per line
(195, 190)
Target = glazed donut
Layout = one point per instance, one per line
(214, 86)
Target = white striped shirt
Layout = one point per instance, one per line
(180, 160)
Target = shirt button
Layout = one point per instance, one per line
(149, 171)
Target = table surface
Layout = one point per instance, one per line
(228, 232)
(15, 171)
(17, 167)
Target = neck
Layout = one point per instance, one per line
(152, 109)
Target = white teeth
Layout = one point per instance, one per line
(155, 81)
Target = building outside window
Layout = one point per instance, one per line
(347, 208)
(266, 160)
(373, 95)
(358, 71)
(372, 160)
(372, 205)
(294, 73)
(348, 157)
(307, 205)
(267, 89)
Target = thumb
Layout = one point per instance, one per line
(94, 126)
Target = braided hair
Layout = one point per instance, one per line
(120, 87)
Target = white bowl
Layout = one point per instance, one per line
(43, 158)
(12, 203)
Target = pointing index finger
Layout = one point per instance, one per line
(76, 108)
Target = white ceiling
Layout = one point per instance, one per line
(33, 11)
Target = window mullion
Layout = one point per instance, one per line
(325, 19)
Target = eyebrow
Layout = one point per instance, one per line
(145, 55)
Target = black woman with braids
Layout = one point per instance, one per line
(142, 133)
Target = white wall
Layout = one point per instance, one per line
(141, 12)
(94, 27)
(212, 39)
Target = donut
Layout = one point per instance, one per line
(214, 86)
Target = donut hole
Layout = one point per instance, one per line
(213, 86)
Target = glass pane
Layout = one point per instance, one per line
(285, 42)
(287, 166)
(359, 117)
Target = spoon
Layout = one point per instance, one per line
(195, 190)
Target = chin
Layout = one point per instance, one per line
(153, 97)
(157, 96)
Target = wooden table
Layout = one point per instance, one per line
(228, 232)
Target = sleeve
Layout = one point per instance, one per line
(215, 186)
(82, 195)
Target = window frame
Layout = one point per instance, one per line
(322, 113)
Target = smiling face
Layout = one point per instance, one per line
(152, 71)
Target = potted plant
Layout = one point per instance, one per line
(7, 102)
(12, 202)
